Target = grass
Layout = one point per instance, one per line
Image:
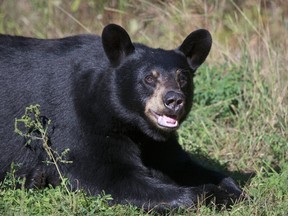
(239, 120)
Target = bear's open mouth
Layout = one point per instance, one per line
(168, 121)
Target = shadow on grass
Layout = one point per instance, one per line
(242, 178)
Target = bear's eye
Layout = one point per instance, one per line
(182, 80)
(149, 79)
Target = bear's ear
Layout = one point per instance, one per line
(116, 43)
(196, 47)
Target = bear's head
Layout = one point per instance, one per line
(152, 89)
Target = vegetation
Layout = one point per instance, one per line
(239, 119)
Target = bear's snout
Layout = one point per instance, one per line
(174, 101)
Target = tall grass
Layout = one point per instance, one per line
(239, 119)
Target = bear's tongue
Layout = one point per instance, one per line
(167, 121)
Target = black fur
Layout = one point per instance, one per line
(95, 91)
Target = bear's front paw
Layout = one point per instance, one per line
(229, 185)
(213, 194)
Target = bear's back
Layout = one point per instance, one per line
(43, 71)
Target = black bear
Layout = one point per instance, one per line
(116, 105)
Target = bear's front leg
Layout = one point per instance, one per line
(114, 165)
(171, 160)
(150, 193)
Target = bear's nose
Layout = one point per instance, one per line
(173, 100)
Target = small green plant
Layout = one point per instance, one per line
(33, 126)
(11, 181)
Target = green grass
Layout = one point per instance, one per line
(239, 120)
